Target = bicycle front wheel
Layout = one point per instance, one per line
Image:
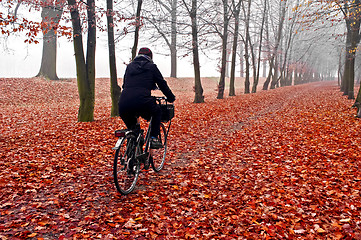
(126, 167)
(158, 155)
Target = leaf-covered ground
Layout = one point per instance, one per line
(279, 164)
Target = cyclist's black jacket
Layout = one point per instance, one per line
(140, 78)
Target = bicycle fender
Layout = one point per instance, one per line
(117, 144)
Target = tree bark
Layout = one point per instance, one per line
(246, 50)
(137, 26)
(256, 80)
(232, 91)
(91, 45)
(352, 18)
(198, 98)
(275, 74)
(339, 71)
(352, 41)
(357, 103)
(173, 47)
(269, 58)
(274, 61)
(50, 15)
(254, 66)
(221, 84)
(251, 48)
(348, 73)
(246, 80)
(114, 87)
(85, 68)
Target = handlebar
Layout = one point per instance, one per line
(159, 99)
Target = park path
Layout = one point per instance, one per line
(277, 164)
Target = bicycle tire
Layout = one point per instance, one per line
(126, 167)
(157, 156)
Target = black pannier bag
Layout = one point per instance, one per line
(167, 112)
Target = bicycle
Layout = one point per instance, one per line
(133, 149)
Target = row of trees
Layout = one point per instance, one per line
(348, 12)
(292, 42)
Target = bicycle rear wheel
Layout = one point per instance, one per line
(126, 167)
(158, 155)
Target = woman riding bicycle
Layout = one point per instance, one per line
(140, 78)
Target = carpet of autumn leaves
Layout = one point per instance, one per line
(278, 164)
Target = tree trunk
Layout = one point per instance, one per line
(241, 65)
(352, 40)
(253, 57)
(254, 67)
(50, 15)
(349, 76)
(114, 87)
(357, 103)
(349, 70)
(85, 67)
(355, 40)
(232, 91)
(198, 98)
(173, 48)
(228, 56)
(90, 57)
(137, 26)
(346, 75)
(277, 43)
(269, 58)
(339, 72)
(288, 50)
(221, 84)
(254, 88)
(246, 50)
(246, 80)
(274, 80)
(48, 59)
(268, 80)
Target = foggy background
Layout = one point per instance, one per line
(19, 59)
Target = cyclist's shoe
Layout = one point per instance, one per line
(155, 144)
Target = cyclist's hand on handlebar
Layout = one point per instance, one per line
(171, 99)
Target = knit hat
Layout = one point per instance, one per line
(146, 51)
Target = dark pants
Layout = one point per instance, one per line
(149, 109)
